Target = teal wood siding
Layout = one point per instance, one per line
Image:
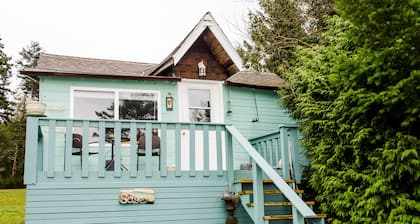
(245, 102)
(177, 201)
(56, 92)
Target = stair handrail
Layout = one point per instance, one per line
(296, 201)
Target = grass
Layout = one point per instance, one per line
(12, 206)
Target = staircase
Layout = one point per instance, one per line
(277, 208)
(265, 195)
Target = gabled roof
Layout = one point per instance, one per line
(207, 22)
(256, 79)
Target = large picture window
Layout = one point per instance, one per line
(114, 104)
(96, 104)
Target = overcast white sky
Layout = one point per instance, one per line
(133, 30)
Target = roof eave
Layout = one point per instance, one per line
(229, 83)
(37, 72)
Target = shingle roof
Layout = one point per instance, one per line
(256, 79)
(92, 66)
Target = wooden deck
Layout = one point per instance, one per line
(193, 171)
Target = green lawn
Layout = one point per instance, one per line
(12, 206)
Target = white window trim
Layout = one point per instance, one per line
(216, 97)
(116, 92)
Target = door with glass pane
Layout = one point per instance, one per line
(200, 101)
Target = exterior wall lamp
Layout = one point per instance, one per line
(201, 68)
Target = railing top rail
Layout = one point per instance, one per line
(130, 121)
(268, 135)
(271, 173)
(275, 132)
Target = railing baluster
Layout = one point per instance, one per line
(192, 150)
(258, 189)
(219, 150)
(229, 160)
(264, 150)
(163, 150)
(133, 149)
(101, 149)
(148, 149)
(31, 144)
(284, 149)
(297, 217)
(178, 172)
(51, 148)
(269, 152)
(85, 149)
(206, 154)
(274, 145)
(117, 149)
(68, 149)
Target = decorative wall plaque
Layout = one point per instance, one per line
(137, 196)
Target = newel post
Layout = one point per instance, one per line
(284, 151)
(31, 148)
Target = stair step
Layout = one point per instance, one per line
(268, 192)
(283, 203)
(249, 181)
(289, 217)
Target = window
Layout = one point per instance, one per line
(132, 105)
(138, 106)
(100, 104)
(93, 105)
(199, 105)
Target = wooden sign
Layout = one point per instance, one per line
(137, 196)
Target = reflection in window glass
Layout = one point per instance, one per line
(93, 105)
(199, 98)
(199, 105)
(138, 106)
(199, 115)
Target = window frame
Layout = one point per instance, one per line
(116, 92)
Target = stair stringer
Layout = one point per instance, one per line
(244, 200)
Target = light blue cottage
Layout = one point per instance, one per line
(190, 129)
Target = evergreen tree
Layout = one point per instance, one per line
(357, 95)
(278, 28)
(5, 73)
(29, 57)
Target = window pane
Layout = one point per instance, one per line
(138, 106)
(93, 105)
(200, 115)
(199, 98)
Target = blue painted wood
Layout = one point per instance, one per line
(31, 153)
(163, 150)
(284, 151)
(51, 148)
(192, 150)
(101, 149)
(39, 161)
(219, 150)
(206, 152)
(297, 217)
(178, 150)
(85, 151)
(133, 149)
(117, 149)
(229, 160)
(258, 189)
(148, 157)
(272, 174)
(68, 149)
(187, 201)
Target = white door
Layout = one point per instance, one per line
(200, 101)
